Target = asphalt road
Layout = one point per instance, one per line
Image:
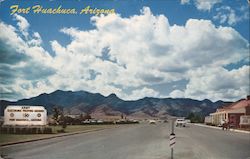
(142, 141)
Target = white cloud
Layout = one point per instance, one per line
(206, 5)
(23, 63)
(203, 5)
(35, 40)
(141, 93)
(141, 51)
(185, 1)
(226, 14)
(22, 24)
(177, 94)
(218, 83)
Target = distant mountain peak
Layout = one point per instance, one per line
(206, 101)
(112, 95)
(58, 91)
(68, 91)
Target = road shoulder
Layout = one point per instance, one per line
(214, 127)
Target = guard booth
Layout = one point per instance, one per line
(23, 119)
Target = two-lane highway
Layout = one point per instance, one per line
(142, 141)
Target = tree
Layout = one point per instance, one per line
(195, 117)
(63, 122)
(81, 117)
(56, 114)
(87, 116)
(59, 117)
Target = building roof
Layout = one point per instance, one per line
(239, 104)
(236, 105)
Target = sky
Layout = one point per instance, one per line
(149, 48)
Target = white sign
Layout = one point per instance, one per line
(245, 120)
(172, 140)
(25, 115)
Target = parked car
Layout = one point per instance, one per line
(86, 121)
(152, 122)
(100, 121)
(93, 121)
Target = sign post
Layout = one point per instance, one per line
(172, 139)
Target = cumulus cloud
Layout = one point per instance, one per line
(22, 24)
(177, 94)
(203, 5)
(226, 14)
(215, 83)
(141, 93)
(218, 83)
(133, 54)
(223, 14)
(206, 5)
(185, 1)
(22, 62)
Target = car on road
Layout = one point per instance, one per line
(93, 121)
(152, 122)
(100, 121)
(86, 121)
(180, 122)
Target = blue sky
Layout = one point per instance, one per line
(184, 48)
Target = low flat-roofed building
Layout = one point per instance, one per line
(231, 114)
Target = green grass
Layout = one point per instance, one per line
(6, 138)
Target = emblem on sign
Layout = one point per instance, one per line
(39, 115)
(11, 114)
(26, 115)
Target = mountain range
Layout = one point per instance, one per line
(82, 102)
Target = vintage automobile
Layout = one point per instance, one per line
(180, 122)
